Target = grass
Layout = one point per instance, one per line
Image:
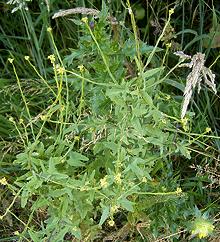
(93, 146)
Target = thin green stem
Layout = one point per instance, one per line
(158, 40)
(135, 31)
(24, 99)
(102, 54)
(90, 81)
(41, 77)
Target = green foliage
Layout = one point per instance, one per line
(100, 145)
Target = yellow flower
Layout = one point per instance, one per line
(51, 58)
(60, 69)
(11, 119)
(3, 181)
(43, 117)
(207, 130)
(163, 121)
(49, 29)
(171, 11)
(130, 10)
(76, 138)
(16, 232)
(111, 223)
(21, 121)
(84, 20)
(168, 45)
(114, 209)
(27, 58)
(81, 68)
(179, 190)
(104, 182)
(202, 228)
(83, 188)
(118, 178)
(184, 122)
(10, 60)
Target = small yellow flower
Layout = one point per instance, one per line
(49, 29)
(27, 58)
(202, 228)
(118, 178)
(144, 179)
(43, 117)
(16, 232)
(21, 121)
(184, 122)
(81, 68)
(111, 223)
(84, 20)
(130, 11)
(104, 182)
(60, 70)
(51, 58)
(163, 121)
(207, 130)
(11, 119)
(83, 188)
(171, 11)
(10, 60)
(131, 184)
(167, 97)
(114, 209)
(3, 181)
(76, 138)
(179, 190)
(168, 45)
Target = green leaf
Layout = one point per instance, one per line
(135, 122)
(34, 183)
(175, 84)
(24, 198)
(126, 204)
(147, 98)
(105, 214)
(183, 150)
(34, 236)
(149, 73)
(139, 110)
(60, 235)
(137, 170)
(68, 60)
(104, 12)
(129, 50)
(76, 159)
(60, 192)
(40, 203)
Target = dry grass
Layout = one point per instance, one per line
(198, 73)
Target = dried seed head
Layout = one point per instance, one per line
(198, 72)
(84, 11)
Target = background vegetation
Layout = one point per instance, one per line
(92, 143)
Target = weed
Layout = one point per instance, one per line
(102, 151)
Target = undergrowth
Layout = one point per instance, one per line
(95, 143)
